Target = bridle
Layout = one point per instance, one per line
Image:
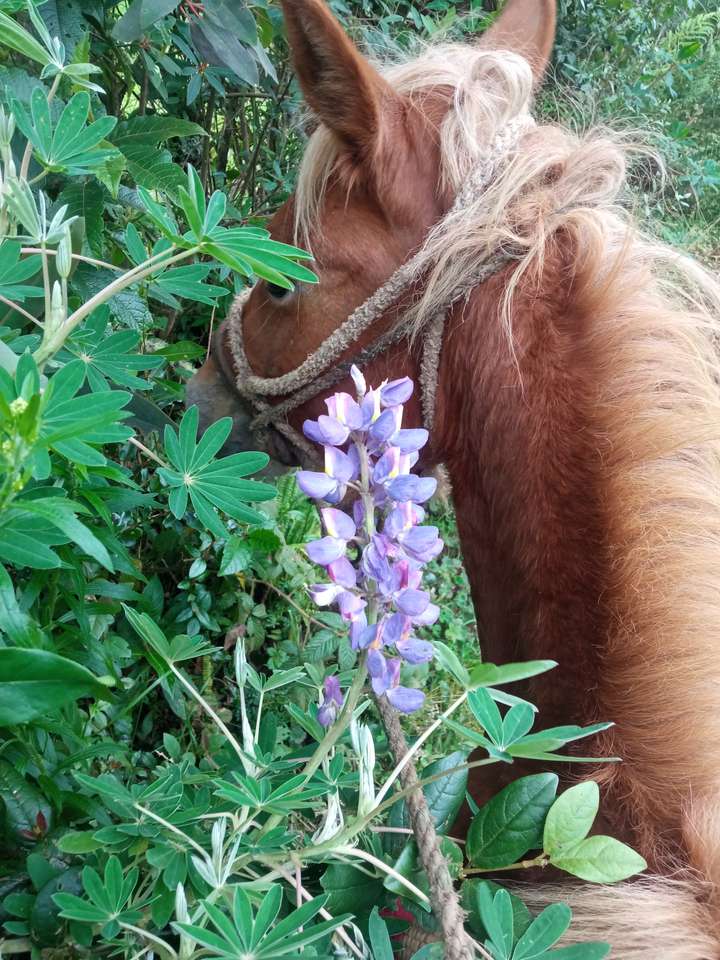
(322, 369)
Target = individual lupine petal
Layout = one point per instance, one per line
(327, 714)
(377, 667)
(428, 616)
(386, 425)
(332, 691)
(358, 380)
(350, 605)
(422, 543)
(361, 636)
(395, 392)
(395, 629)
(412, 602)
(326, 550)
(342, 407)
(387, 467)
(411, 440)
(410, 487)
(339, 465)
(312, 431)
(342, 572)
(332, 431)
(358, 509)
(403, 517)
(324, 594)
(405, 699)
(370, 407)
(414, 650)
(337, 495)
(315, 485)
(332, 700)
(374, 561)
(337, 523)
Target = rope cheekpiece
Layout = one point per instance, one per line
(322, 369)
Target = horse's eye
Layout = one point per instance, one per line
(276, 292)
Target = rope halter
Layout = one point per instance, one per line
(322, 369)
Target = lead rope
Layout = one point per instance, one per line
(444, 899)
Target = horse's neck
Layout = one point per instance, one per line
(524, 470)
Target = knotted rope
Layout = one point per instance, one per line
(322, 369)
(443, 896)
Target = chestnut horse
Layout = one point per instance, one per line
(577, 412)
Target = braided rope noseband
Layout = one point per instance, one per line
(322, 369)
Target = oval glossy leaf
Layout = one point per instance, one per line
(571, 816)
(600, 860)
(36, 683)
(511, 823)
(545, 930)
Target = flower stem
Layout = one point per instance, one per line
(341, 724)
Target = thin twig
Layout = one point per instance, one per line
(148, 453)
(76, 256)
(16, 306)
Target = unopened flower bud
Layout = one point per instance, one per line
(7, 128)
(63, 260)
(58, 311)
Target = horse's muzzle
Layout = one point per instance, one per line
(214, 394)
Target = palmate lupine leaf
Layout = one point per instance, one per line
(102, 357)
(73, 146)
(212, 485)
(247, 932)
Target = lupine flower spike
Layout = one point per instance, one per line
(374, 554)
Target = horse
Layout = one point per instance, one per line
(573, 388)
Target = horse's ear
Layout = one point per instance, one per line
(528, 28)
(344, 90)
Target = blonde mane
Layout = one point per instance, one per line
(652, 321)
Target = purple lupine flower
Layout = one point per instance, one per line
(332, 701)
(373, 555)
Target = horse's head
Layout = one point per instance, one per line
(372, 185)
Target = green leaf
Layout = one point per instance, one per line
(18, 627)
(599, 859)
(153, 130)
(571, 816)
(36, 683)
(350, 889)
(153, 168)
(580, 951)
(487, 714)
(545, 930)
(379, 937)
(444, 796)
(13, 271)
(448, 660)
(87, 200)
(61, 514)
(408, 865)
(490, 675)
(139, 17)
(496, 914)
(17, 38)
(511, 823)
(78, 841)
